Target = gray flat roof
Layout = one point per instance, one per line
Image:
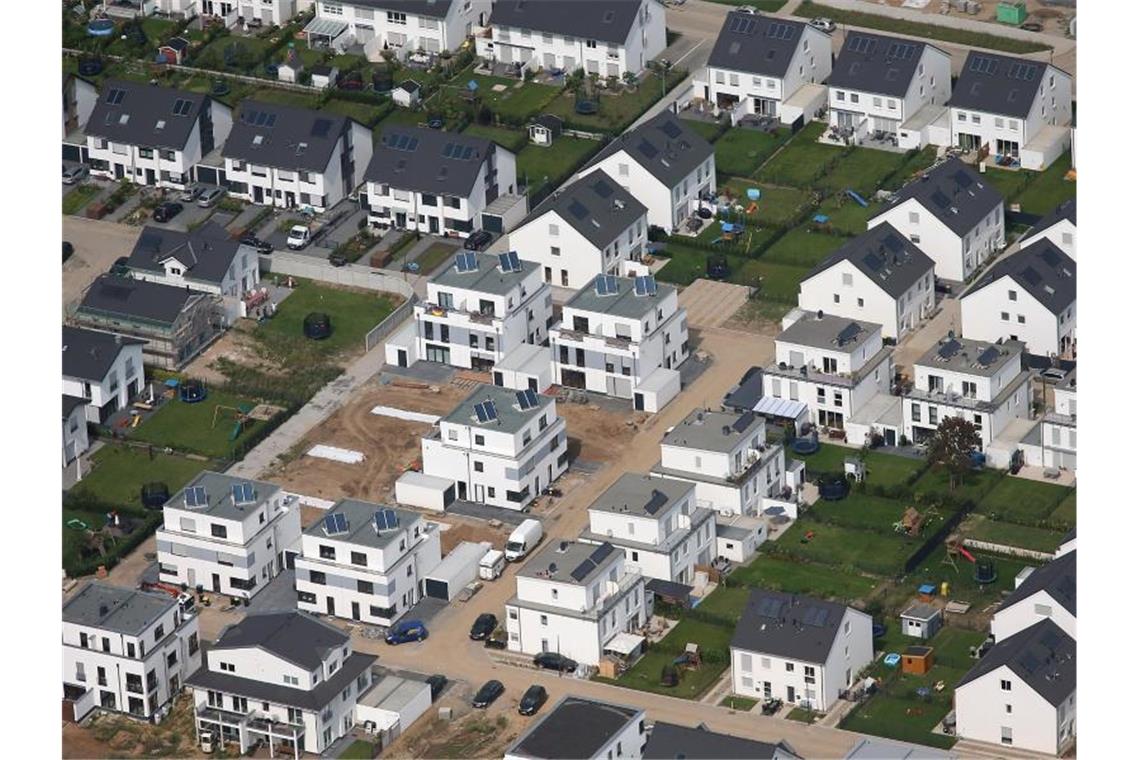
(670, 740)
(361, 525)
(568, 562)
(973, 357)
(392, 693)
(220, 498)
(575, 727)
(640, 495)
(111, 608)
(487, 277)
(625, 303)
(920, 611)
(714, 431)
(510, 419)
(829, 332)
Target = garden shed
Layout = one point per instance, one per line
(920, 620)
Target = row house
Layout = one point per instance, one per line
(79, 98)
(1059, 426)
(1059, 226)
(75, 440)
(102, 369)
(399, 27)
(584, 728)
(1049, 593)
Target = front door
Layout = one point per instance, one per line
(330, 605)
(433, 225)
(639, 402)
(889, 437)
(191, 577)
(355, 610)
(290, 199)
(401, 220)
(462, 490)
(216, 582)
(150, 176)
(479, 492)
(119, 172)
(401, 358)
(792, 694)
(258, 194)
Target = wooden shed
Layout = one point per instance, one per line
(918, 660)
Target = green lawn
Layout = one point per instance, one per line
(287, 97)
(192, 427)
(962, 586)
(1048, 189)
(1023, 500)
(778, 282)
(229, 53)
(76, 200)
(887, 716)
(687, 264)
(777, 205)
(975, 485)
(862, 170)
(802, 715)
(516, 104)
(353, 313)
(366, 113)
(512, 139)
(743, 704)
(1066, 512)
(859, 510)
(358, 750)
(845, 216)
(803, 248)
(706, 129)
(741, 151)
(646, 673)
(882, 469)
(1008, 182)
(801, 161)
(915, 163)
(793, 577)
(616, 112)
(764, 6)
(120, 472)
(554, 164)
(983, 528)
(434, 255)
(847, 548)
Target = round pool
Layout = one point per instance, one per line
(806, 445)
(101, 27)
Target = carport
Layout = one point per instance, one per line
(323, 31)
(781, 408)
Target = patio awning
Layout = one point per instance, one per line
(624, 644)
(669, 589)
(780, 407)
(325, 27)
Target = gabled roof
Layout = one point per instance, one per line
(594, 205)
(429, 8)
(890, 260)
(146, 115)
(877, 63)
(71, 403)
(788, 625)
(665, 145)
(953, 193)
(998, 84)
(111, 608)
(1042, 655)
(313, 700)
(575, 727)
(284, 137)
(757, 44)
(603, 20)
(669, 741)
(137, 299)
(206, 253)
(1066, 210)
(295, 637)
(1043, 270)
(1057, 578)
(90, 354)
(429, 160)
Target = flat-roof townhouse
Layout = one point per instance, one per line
(1059, 426)
(979, 381)
(126, 650)
(583, 728)
(767, 66)
(883, 86)
(624, 337)
(587, 228)
(658, 525)
(79, 98)
(805, 651)
(206, 260)
(227, 535)
(879, 276)
(666, 163)
(1012, 107)
(292, 157)
(102, 369)
(952, 215)
(1049, 593)
(1022, 693)
(364, 562)
(285, 679)
(727, 457)
(270, 12)
(438, 182)
(603, 38)
(153, 135)
(1059, 226)
(499, 446)
(573, 598)
(669, 741)
(1030, 296)
(75, 440)
(480, 309)
(402, 27)
(829, 367)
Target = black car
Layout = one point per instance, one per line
(555, 661)
(256, 243)
(337, 260)
(477, 240)
(487, 694)
(484, 626)
(167, 211)
(437, 683)
(532, 700)
(121, 267)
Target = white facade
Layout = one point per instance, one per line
(74, 431)
(1006, 310)
(1059, 429)
(669, 206)
(79, 98)
(569, 259)
(1017, 716)
(242, 276)
(271, 12)
(379, 29)
(1062, 233)
(955, 256)
(114, 391)
(1014, 618)
(844, 290)
(868, 111)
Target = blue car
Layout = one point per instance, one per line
(405, 631)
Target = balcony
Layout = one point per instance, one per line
(754, 460)
(951, 398)
(577, 336)
(477, 317)
(614, 592)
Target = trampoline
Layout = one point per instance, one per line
(192, 391)
(586, 107)
(833, 487)
(154, 495)
(101, 27)
(808, 445)
(878, 630)
(219, 88)
(317, 326)
(985, 572)
(89, 67)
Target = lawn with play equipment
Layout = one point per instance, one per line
(352, 312)
(118, 473)
(694, 678)
(882, 469)
(864, 550)
(211, 427)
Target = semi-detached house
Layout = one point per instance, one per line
(399, 27)
(75, 440)
(1059, 226)
(1049, 593)
(102, 369)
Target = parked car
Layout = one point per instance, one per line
(191, 193)
(1032, 26)
(73, 173)
(337, 259)
(68, 250)
(405, 631)
(164, 212)
(438, 683)
(477, 240)
(532, 700)
(484, 626)
(555, 661)
(823, 24)
(210, 196)
(256, 243)
(487, 694)
(299, 237)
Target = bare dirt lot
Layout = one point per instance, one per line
(97, 245)
(237, 346)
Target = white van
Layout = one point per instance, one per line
(524, 538)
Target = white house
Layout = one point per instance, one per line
(666, 163)
(227, 535)
(75, 440)
(589, 227)
(603, 38)
(727, 458)
(103, 369)
(617, 335)
(126, 650)
(583, 728)
(879, 276)
(480, 309)
(270, 12)
(803, 650)
(365, 562)
(294, 157)
(658, 525)
(283, 678)
(1050, 592)
(669, 741)
(79, 98)
(767, 66)
(1059, 426)
(1059, 226)
(402, 27)
(976, 380)
(829, 367)
(208, 260)
(1023, 693)
(574, 598)
(952, 215)
(1012, 107)
(1029, 296)
(499, 446)
(153, 135)
(437, 182)
(888, 84)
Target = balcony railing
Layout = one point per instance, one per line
(754, 460)
(475, 316)
(581, 337)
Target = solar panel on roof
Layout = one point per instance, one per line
(522, 401)
(873, 262)
(961, 179)
(386, 519)
(601, 553)
(321, 127)
(531, 397)
(584, 568)
(468, 151)
(605, 285)
(645, 285)
(647, 149)
(181, 107)
(1031, 275)
(848, 333)
(243, 493)
(335, 524)
(816, 617)
(271, 120)
(901, 51)
(1050, 257)
(466, 262)
(939, 199)
(949, 348)
(671, 129)
(480, 413)
(742, 25)
(492, 412)
(578, 211)
(196, 496)
(984, 65)
(988, 357)
(893, 243)
(115, 96)
(603, 189)
(769, 607)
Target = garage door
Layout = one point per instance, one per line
(72, 153)
(435, 589)
(493, 224)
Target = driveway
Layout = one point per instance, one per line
(914, 345)
(97, 244)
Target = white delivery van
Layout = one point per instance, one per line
(524, 538)
(492, 564)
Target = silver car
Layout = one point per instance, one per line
(73, 173)
(210, 196)
(191, 193)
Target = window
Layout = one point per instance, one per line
(555, 250)
(317, 577)
(848, 279)
(790, 667)
(479, 440)
(746, 662)
(1043, 609)
(1020, 319)
(840, 95)
(916, 239)
(835, 297)
(327, 552)
(227, 666)
(542, 619)
(478, 466)
(83, 640)
(1008, 709)
(1006, 735)
(359, 558)
(1005, 316)
(860, 302)
(364, 587)
(217, 531)
(1013, 295)
(107, 644)
(1006, 685)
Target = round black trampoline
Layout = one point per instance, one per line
(192, 391)
(586, 107)
(154, 495)
(985, 572)
(833, 486)
(317, 326)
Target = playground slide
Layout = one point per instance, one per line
(969, 557)
(857, 198)
(751, 208)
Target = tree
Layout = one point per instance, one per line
(951, 447)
